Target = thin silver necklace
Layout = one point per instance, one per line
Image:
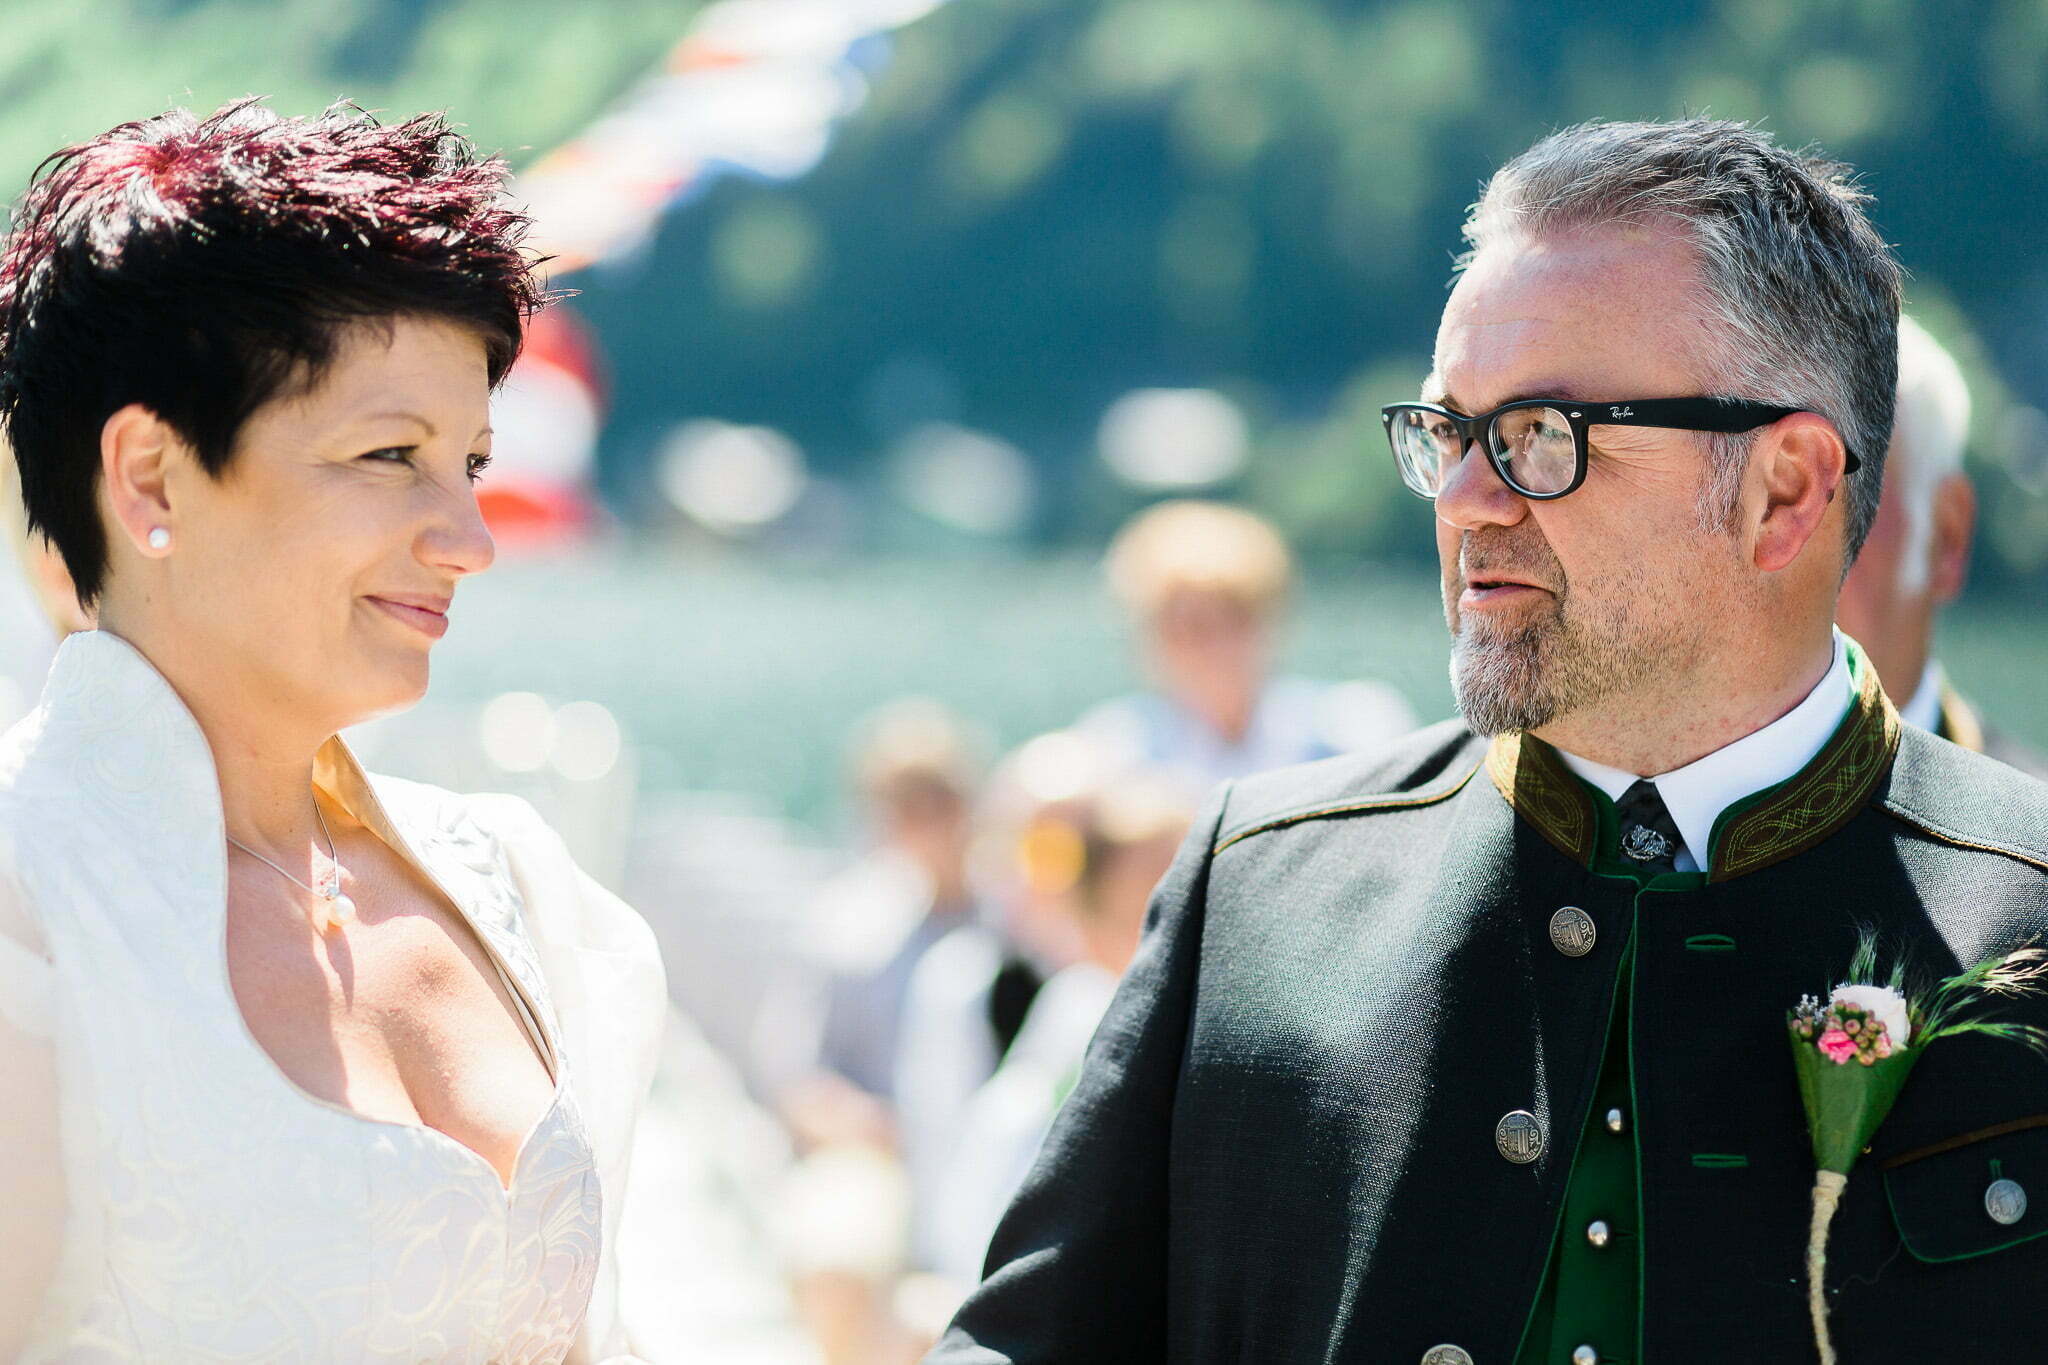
(340, 909)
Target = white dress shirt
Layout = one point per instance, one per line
(1697, 793)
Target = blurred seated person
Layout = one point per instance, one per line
(1207, 586)
(1918, 553)
(1086, 862)
(833, 1042)
(968, 996)
(963, 1009)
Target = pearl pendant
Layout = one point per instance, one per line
(340, 909)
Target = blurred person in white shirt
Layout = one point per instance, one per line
(829, 1040)
(1207, 587)
(1086, 861)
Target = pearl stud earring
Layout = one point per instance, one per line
(160, 538)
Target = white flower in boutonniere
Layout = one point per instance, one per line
(1880, 1005)
(1853, 1053)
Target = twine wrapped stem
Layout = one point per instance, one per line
(1827, 1194)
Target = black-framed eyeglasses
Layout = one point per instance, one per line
(1538, 445)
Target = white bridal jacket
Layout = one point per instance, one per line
(166, 1193)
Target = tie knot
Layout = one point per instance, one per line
(1649, 836)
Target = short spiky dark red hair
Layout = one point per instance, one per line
(203, 266)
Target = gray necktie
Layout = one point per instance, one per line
(1649, 836)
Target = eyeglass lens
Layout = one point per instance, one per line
(1533, 445)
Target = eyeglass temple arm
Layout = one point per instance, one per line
(1696, 414)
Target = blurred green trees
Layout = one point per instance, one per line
(521, 74)
(1047, 204)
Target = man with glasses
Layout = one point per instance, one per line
(1475, 1050)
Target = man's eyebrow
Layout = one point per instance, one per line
(1563, 393)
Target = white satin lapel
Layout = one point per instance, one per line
(114, 760)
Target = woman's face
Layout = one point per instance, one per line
(321, 565)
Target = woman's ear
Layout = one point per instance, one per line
(136, 447)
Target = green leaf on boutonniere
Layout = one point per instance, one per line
(1853, 1051)
(1845, 1104)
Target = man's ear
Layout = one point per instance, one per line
(1800, 461)
(136, 448)
(1948, 547)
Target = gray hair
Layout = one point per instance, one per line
(1799, 297)
(1929, 431)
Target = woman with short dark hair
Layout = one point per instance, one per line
(299, 1063)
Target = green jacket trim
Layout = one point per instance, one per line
(1770, 827)
(1544, 792)
(1425, 796)
(1824, 795)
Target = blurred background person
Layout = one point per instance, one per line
(1206, 589)
(1918, 555)
(858, 1092)
(832, 1041)
(1093, 840)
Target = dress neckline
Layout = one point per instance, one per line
(507, 1185)
(362, 803)
(148, 739)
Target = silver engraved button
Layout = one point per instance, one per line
(1519, 1137)
(1572, 931)
(2006, 1202)
(1447, 1355)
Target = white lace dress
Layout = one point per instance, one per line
(210, 1209)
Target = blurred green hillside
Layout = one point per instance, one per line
(521, 74)
(1047, 203)
(747, 677)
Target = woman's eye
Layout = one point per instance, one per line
(477, 465)
(391, 454)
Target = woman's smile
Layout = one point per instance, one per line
(428, 615)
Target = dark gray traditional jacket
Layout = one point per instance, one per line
(1283, 1147)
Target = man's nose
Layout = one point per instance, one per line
(1474, 494)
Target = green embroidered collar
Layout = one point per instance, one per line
(1768, 827)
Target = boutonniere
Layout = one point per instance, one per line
(1853, 1052)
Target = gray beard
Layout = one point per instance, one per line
(1509, 680)
(1526, 676)
(1576, 654)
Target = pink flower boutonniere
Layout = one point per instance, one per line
(1853, 1052)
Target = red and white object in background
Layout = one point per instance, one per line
(545, 422)
(755, 87)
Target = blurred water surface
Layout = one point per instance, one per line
(740, 676)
